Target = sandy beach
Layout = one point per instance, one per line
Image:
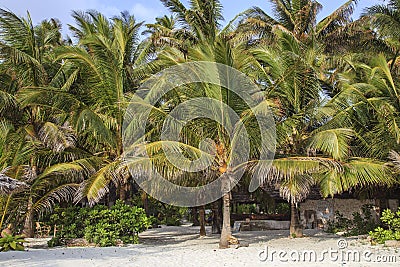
(181, 246)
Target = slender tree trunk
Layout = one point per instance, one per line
(296, 229)
(28, 225)
(226, 218)
(194, 217)
(123, 188)
(5, 211)
(112, 194)
(202, 221)
(394, 60)
(216, 217)
(145, 201)
(28, 230)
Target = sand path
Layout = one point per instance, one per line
(181, 246)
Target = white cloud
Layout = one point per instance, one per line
(142, 12)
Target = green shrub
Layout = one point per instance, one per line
(391, 222)
(99, 224)
(10, 242)
(361, 223)
(391, 219)
(121, 222)
(70, 221)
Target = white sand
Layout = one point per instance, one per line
(181, 246)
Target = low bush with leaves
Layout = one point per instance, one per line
(107, 226)
(361, 223)
(104, 226)
(70, 221)
(390, 229)
(10, 242)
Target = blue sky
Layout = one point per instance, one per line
(142, 9)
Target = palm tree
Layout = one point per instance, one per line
(369, 98)
(26, 49)
(32, 138)
(200, 22)
(164, 32)
(200, 28)
(33, 166)
(295, 89)
(32, 161)
(337, 31)
(220, 51)
(386, 21)
(101, 75)
(298, 17)
(313, 147)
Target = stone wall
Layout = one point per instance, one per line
(321, 211)
(260, 225)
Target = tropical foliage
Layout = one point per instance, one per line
(9, 242)
(391, 230)
(361, 223)
(100, 225)
(332, 86)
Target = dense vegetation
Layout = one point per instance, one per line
(361, 223)
(332, 85)
(390, 229)
(103, 226)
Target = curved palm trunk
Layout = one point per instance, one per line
(226, 216)
(5, 210)
(216, 217)
(112, 195)
(145, 201)
(194, 217)
(28, 225)
(296, 229)
(202, 221)
(394, 60)
(123, 191)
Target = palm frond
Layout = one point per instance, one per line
(333, 142)
(9, 185)
(97, 185)
(60, 194)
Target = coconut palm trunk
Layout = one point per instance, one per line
(28, 225)
(202, 221)
(226, 216)
(216, 217)
(194, 217)
(145, 201)
(123, 191)
(296, 229)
